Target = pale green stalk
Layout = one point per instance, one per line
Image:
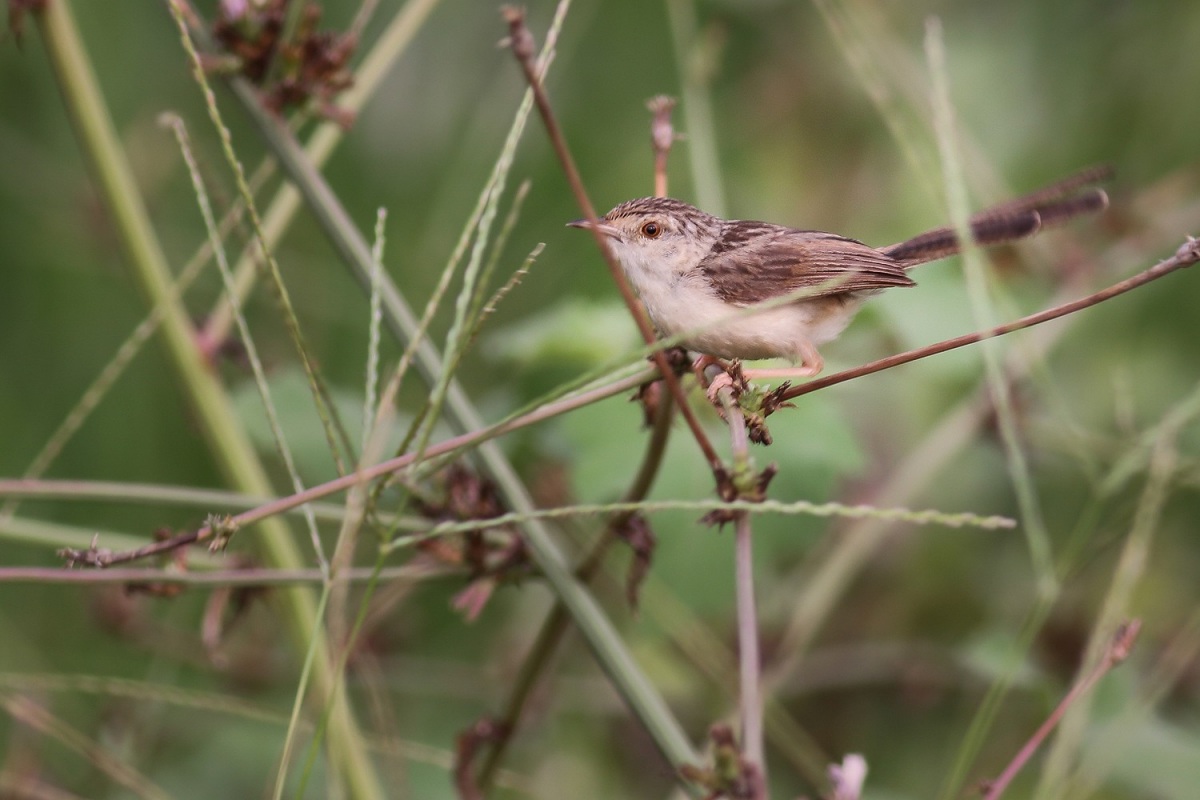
(519, 275)
(336, 697)
(373, 325)
(1064, 754)
(126, 352)
(32, 714)
(369, 75)
(981, 307)
(768, 506)
(610, 651)
(866, 47)
(214, 413)
(460, 329)
(327, 413)
(256, 367)
(171, 495)
(696, 66)
(417, 337)
(480, 307)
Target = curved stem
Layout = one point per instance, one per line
(557, 622)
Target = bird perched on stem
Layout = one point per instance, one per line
(698, 274)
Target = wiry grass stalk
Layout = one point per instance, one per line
(260, 376)
(874, 59)
(335, 696)
(374, 322)
(368, 76)
(1063, 756)
(335, 433)
(460, 329)
(695, 63)
(31, 714)
(225, 437)
(798, 507)
(182, 496)
(126, 352)
(357, 500)
(597, 629)
(981, 307)
(375, 431)
(481, 305)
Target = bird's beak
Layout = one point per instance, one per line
(601, 225)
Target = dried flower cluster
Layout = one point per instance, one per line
(310, 66)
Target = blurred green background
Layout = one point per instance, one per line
(819, 119)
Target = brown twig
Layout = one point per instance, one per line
(659, 416)
(662, 136)
(1187, 254)
(1118, 651)
(521, 42)
(98, 557)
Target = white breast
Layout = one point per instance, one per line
(685, 303)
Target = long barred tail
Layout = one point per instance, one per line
(1017, 219)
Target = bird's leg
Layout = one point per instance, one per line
(730, 375)
(703, 362)
(700, 365)
(810, 364)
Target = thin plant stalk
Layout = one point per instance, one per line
(336, 437)
(1117, 651)
(32, 714)
(226, 438)
(1022, 480)
(750, 697)
(368, 76)
(260, 375)
(555, 626)
(521, 43)
(694, 64)
(1129, 573)
(126, 352)
(597, 629)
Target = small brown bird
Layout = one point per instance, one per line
(694, 271)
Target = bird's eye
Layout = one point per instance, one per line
(651, 230)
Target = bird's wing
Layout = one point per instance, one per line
(751, 264)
